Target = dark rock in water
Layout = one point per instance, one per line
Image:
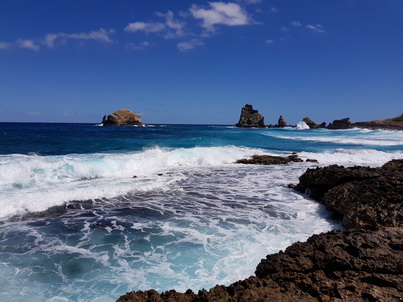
(368, 198)
(340, 124)
(250, 118)
(122, 117)
(281, 122)
(309, 160)
(270, 160)
(395, 123)
(312, 124)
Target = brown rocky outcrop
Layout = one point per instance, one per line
(250, 118)
(365, 198)
(281, 122)
(312, 124)
(122, 117)
(340, 124)
(269, 160)
(395, 123)
(361, 264)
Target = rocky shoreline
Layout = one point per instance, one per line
(363, 263)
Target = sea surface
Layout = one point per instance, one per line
(88, 213)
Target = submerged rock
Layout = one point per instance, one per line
(122, 117)
(250, 118)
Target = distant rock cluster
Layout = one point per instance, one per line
(251, 118)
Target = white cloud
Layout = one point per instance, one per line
(175, 28)
(273, 10)
(220, 13)
(28, 44)
(269, 41)
(296, 23)
(146, 27)
(5, 45)
(101, 36)
(184, 46)
(283, 28)
(316, 28)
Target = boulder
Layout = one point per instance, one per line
(270, 160)
(122, 117)
(340, 124)
(312, 124)
(250, 118)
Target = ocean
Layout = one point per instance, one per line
(88, 213)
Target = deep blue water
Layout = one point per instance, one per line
(88, 213)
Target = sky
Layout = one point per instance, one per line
(199, 62)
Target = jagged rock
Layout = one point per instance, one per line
(281, 122)
(340, 124)
(395, 123)
(270, 160)
(122, 117)
(250, 118)
(364, 197)
(312, 124)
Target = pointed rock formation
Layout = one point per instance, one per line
(281, 122)
(250, 118)
(122, 117)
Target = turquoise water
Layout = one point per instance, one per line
(88, 213)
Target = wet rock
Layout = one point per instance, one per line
(395, 123)
(250, 118)
(270, 160)
(369, 198)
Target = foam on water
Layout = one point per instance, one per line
(35, 183)
(212, 229)
(349, 137)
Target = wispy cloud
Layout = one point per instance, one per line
(146, 27)
(296, 23)
(269, 41)
(28, 44)
(220, 13)
(188, 45)
(5, 45)
(316, 28)
(250, 1)
(100, 36)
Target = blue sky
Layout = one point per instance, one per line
(199, 62)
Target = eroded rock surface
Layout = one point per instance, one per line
(250, 118)
(122, 117)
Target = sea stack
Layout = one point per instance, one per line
(250, 118)
(122, 117)
(281, 122)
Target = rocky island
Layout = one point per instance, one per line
(122, 117)
(363, 263)
(250, 118)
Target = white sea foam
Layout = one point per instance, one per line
(35, 183)
(366, 137)
(302, 126)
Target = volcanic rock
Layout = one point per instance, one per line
(395, 123)
(281, 122)
(366, 198)
(269, 160)
(122, 117)
(340, 124)
(312, 124)
(250, 118)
